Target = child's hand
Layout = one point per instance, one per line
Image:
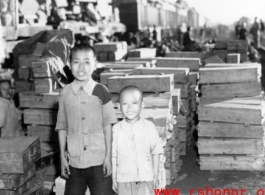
(114, 185)
(107, 168)
(65, 171)
(156, 182)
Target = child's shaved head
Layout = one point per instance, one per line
(131, 88)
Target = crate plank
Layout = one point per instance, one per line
(18, 154)
(180, 74)
(230, 146)
(40, 116)
(24, 73)
(231, 90)
(234, 113)
(191, 63)
(241, 163)
(41, 69)
(208, 129)
(185, 55)
(147, 83)
(34, 100)
(228, 75)
(104, 76)
(176, 100)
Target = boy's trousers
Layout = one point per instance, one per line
(92, 177)
(136, 188)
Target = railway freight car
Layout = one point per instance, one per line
(141, 14)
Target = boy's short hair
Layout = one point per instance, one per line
(82, 47)
(131, 88)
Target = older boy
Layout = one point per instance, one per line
(84, 123)
(135, 148)
(10, 117)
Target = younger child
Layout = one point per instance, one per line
(135, 148)
(10, 116)
(84, 122)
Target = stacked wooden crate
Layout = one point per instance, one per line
(224, 47)
(17, 165)
(40, 112)
(159, 109)
(233, 58)
(40, 117)
(188, 83)
(110, 51)
(230, 126)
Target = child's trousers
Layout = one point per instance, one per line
(92, 177)
(136, 188)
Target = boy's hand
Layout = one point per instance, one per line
(114, 185)
(107, 168)
(156, 182)
(65, 171)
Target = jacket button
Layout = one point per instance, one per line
(85, 148)
(83, 118)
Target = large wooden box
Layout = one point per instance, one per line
(18, 154)
(142, 53)
(228, 75)
(41, 69)
(47, 85)
(225, 162)
(15, 181)
(40, 116)
(231, 113)
(231, 90)
(147, 83)
(34, 100)
(46, 133)
(192, 63)
(180, 74)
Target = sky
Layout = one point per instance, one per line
(229, 11)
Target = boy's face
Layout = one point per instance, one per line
(5, 90)
(83, 63)
(131, 105)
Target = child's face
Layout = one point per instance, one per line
(131, 105)
(5, 90)
(82, 65)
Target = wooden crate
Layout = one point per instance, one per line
(112, 46)
(40, 116)
(185, 55)
(229, 130)
(176, 98)
(45, 133)
(104, 76)
(21, 190)
(24, 73)
(240, 163)
(231, 90)
(230, 146)
(23, 85)
(214, 60)
(41, 69)
(142, 53)
(15, 181)
(34, 100)
(140, 62)
(229, 75)
(47, 85)
(193, 78)
(18, 154)
(180, 74)
(185, 89)
(231, 113)
(147, 83)
(192, 64)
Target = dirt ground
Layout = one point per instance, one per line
(252, 181)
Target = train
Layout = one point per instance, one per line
(141, 14)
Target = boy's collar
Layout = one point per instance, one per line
(88, 88)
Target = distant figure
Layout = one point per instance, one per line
(255, 31)
(10, 116)
(237, 29)
(261, 25)
(154, 34)
(187, 37)
(243, 32)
